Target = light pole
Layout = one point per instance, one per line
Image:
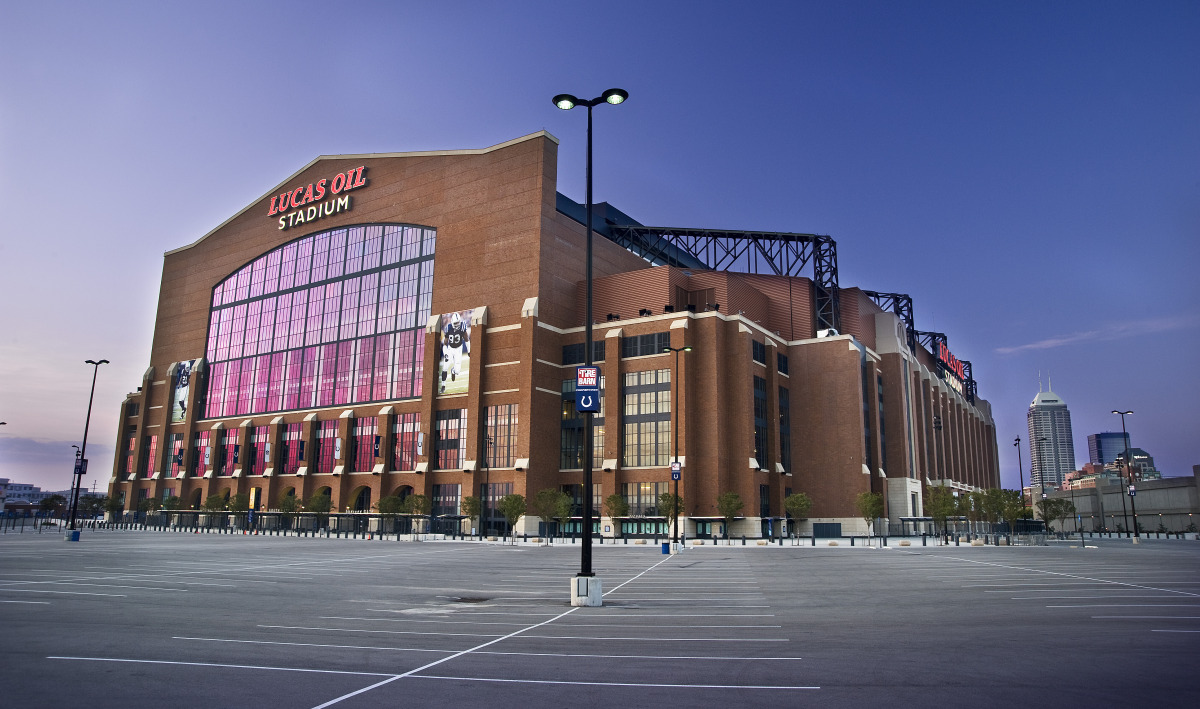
(566, 102)
(675, 426)
(1129, 469)
(1020, 470)
(79, 467)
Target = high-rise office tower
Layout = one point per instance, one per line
(1103, 448)
(1050, 444)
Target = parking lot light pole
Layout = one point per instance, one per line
(1020, 471)
(83, 447)
(675, 426)
(566, 102)
(1129, 469)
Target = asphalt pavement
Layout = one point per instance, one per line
(153, 619)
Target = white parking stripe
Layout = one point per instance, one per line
(613, 684)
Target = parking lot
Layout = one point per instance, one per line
(146, 619)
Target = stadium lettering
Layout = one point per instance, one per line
(953, 364)
(304, 195)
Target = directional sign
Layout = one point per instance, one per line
(1132, 491)
(81, 466)
(675, 472)
(587, 389)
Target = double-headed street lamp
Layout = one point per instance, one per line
(676, 474)
(1129, 468)
(566, 102)
(79, 466)
(1020, 470)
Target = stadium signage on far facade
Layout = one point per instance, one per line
(298, 198)
(953, 364)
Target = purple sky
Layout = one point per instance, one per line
(1029, 172)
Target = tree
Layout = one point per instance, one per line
(870, 507)
(473, 508)
(418, 505)
(320, 503)
(144, 504)
(239, 502)
(993, 504)
(389, 507)
(1055, 509)
(545, 504)
(214, 503)
(91, 505)
(563, 510)
(728, 506)
(171, 502)
(797, 505)
(616, 506)
(1012, 508)
(52, 503)
(670, 506)
(513, 509)
(288, 504)
(939, 504)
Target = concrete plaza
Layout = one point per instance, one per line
(150, 619)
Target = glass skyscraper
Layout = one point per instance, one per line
(1051, 449)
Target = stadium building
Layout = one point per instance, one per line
(401, 323)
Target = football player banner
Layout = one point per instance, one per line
(183, 385)
(454, 352)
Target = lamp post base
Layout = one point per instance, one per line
(586, 591)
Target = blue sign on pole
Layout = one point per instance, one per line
(587, 389)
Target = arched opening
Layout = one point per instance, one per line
(194, 500)
(362, 499)
(403, 491)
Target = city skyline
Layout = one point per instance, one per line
(1028, 174)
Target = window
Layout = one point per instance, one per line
(882, 430)
(450, 433)
(331, 318)
(149, 453)
(643, 497)
(760, 421)
(326, 437)
(293, 449)
(229, 452)
(406, 430)
(256, 458)
(502, 435)
(201, 453)
(647, 418)
(758, 351)
(365, 430)
(571, 430)
(785, 430)
(781, 362)
(573, 354)
(445, 500)
(493, 519)
(130, 449)
(642, 345)
(175, 450)
(866, 408)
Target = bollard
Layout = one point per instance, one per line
(814, 539)
(851, 541)
(957, 540)
(885, 540)
(743, 540)
(924, 540)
